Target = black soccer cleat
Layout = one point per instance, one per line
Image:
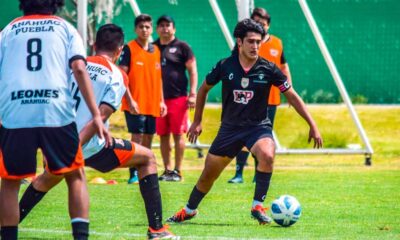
(258, 213)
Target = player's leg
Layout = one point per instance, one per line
(127, 154)
(214, 165)
(144, 160)
(136, 126)
(18, 148)
(241, 160)
(179, 141)
(162, 130)
(179, 125)
(264, 151)
(36, 191)
(67, 159)
(78, 202)
(9, 208)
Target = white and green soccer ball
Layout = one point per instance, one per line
(285, 210)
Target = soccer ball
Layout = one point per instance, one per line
(286, 210)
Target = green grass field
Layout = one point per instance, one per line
(341, 198)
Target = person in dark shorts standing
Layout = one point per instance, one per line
(108, 84)
(246, 82)
(144, 101)
(176, 58)
(37, 53)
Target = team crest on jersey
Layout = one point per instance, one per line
(274, 52)
(261, 76)
(158, 66)
(242, 96)
(230, 77)
(172, 50)
(245, 82)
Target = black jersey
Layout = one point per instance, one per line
(174, 57)
(245, 95)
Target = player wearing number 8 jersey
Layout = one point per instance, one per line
(37, 53)
(108, 86)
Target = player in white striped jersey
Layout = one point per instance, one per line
(108, 86)
(37, 53)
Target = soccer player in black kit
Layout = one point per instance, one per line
(246, 81)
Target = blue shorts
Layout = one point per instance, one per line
(231, 139)
(145, 124)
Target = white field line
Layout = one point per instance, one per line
(132, 235)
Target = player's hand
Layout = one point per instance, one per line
(102, 131)
(194, 132)
(191, 101)
(316, 136)
(163, 109)
(134, 108)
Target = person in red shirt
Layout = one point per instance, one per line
(176, 58)
(272, 50)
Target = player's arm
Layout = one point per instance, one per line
(163, 106)
(298, 104)
(89, 130)
(191, 66)
(196, 128)
(124, 63)
(82, 78)
(285, 68)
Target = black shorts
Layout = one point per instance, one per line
(145, 124)
(231, 139)
(110, 158)
(60, 147)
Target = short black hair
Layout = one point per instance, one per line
(142, 18)
(109, 38)
(261, 13)
(40, 6)
(248, 25)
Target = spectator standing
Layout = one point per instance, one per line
(176, 58)
(144, 99)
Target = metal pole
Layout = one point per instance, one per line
(222, 23)
(335, 74)
(82, 20)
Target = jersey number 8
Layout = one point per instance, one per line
(34, 59)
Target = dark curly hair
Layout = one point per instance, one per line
(247, 25)
(109, 38)
(40, 6)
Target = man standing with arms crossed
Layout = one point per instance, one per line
(144, 100)
(272, 50)
(37, 53)
(176, 57)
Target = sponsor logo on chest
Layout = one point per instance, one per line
(172, 50)
(242, 96)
